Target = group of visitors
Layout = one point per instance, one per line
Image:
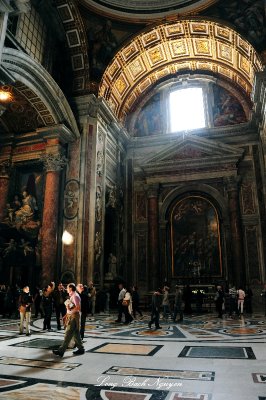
(233, 301)
(53, 298)
(71, 305)
(128, 303)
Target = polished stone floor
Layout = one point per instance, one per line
(203, 358)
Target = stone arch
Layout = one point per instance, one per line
(166, 49)
(39, 88)
(214, 197)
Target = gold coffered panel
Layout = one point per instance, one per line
(169, 48)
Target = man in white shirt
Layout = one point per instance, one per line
(72, 328)
(120, 300)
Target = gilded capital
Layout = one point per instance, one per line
(53, 162)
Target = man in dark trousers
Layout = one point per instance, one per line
(60, 295)
(83, 308)
(155, 309)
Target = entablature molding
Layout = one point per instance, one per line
(191, 154)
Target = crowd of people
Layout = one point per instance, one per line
(231, 302)
(73, 303)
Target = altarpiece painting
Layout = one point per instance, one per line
(195, 239)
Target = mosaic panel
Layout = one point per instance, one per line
(43, 391)
(162, 373)
(259, 377)
(5, 383)
(40, 343)
(217, 352)
(129, 349)
(35, 389)
(190, 396)
(62, 366)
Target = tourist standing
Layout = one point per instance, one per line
(127, 307)
(187, 296)
(83, 308)
(59, 296)
(232, 301)
(25, 302)
(219, 301)
(92, 298)
(178, 307)
(122, 292)
(47, 306)
(155, 309)
(240, 302)
(248, 300)
(135, 302)
(166, 303)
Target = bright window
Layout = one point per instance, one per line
(187, 109)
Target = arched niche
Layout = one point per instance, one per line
(194, 238)
(216, 204)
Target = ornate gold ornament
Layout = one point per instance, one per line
(169, 48)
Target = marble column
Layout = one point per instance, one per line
(238, 266)
(53, 164)
(4, 186)
(153, 232)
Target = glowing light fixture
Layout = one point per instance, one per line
(67, 238)
(187, 109)
(5, 95)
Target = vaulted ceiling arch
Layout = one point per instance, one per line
(169, 48)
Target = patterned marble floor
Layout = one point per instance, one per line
(203, 358)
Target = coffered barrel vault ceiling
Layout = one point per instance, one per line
(149, 10)
(170, 48)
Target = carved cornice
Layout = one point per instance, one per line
(193, 154)
(53, 162)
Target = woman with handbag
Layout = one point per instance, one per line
(25, 301)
